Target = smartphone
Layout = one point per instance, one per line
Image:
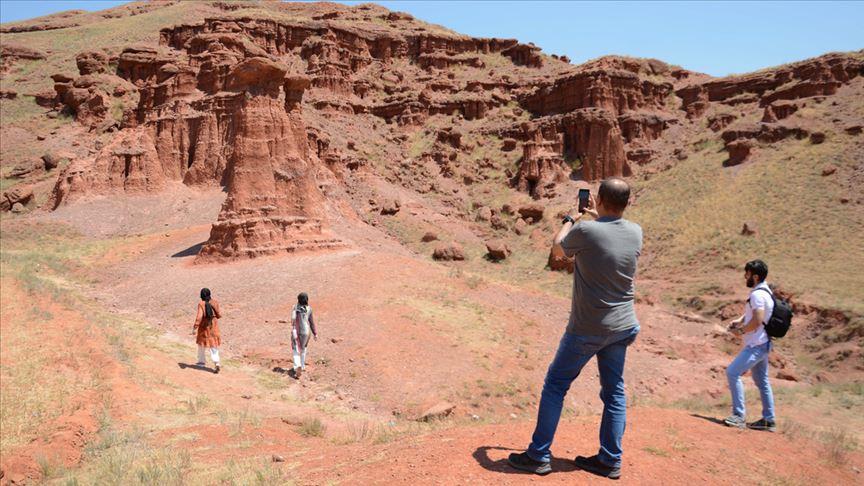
(584, 194)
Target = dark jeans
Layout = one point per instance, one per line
(573, 353)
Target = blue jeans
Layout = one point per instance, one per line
(573, 353)
(754, 359)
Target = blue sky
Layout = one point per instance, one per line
(718, 38)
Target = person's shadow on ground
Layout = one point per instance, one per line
(481, 455)
(282, 371)
(710, 419)
(198, 367)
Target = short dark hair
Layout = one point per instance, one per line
(757, 267)
(615, 193)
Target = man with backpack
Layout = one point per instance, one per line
(759, 323)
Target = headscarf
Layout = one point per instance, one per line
(208, 309)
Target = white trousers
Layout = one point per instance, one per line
(300, 358)
(214, 355)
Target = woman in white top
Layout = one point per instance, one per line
(301, 326)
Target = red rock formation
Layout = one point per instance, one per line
(720, 121)
(591, 135)
(782, 109)
(764, 132)
(643, 125)
(819, 76)
(615, 90)
(738, 150)
(524, 55)
(541, 167)
(273, 203)
(10, 53)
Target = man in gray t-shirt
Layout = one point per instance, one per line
(602, 323)
(606, 251)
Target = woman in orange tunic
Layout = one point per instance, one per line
(206, 329)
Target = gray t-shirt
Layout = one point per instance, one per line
(606, 251)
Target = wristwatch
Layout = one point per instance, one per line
(568, 219)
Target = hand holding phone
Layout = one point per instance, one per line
(584, 196)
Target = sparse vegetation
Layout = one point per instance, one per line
(311, 427)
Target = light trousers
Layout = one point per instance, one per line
(214, 355)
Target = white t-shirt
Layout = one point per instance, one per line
(759, 299)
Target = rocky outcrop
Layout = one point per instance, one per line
(616, 91)
(644, 126)
(738, 150)
(219, 110)
(591, 135)
(273, 203)
(819, 76)
(20, 195)
(10, 53)
(720, 121)
(541, 168)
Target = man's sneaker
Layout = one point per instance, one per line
(218, 368)
(735, 421)
(594, 466)
(763, 424)
(523, 462)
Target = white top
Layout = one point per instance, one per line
(304, 319)
(759, 299)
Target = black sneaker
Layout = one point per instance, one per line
(523, 462)
(218, 368)
(735, 421)
(763, 424)
(594, 466)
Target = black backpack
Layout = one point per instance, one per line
(781, 317)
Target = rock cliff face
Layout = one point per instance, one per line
(273, 203)
(218, 110)
(277, 107)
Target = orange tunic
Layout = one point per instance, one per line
(208, 328)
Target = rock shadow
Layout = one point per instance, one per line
(191, 251)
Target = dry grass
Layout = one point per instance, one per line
(35, 261)
(693, 213)
(311, 427)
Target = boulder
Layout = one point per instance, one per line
(508, 145)
(521, 227)
(828, 170)
(50, 161)
(817, 137)
(17, 195)
(438, 411)
(738, 150)
(497, 222)
(533, 211)
(484, 213)
(448, 252)
(91, 62)
(429, 236)
(390, 207)
(558, 261)
(497, 250)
